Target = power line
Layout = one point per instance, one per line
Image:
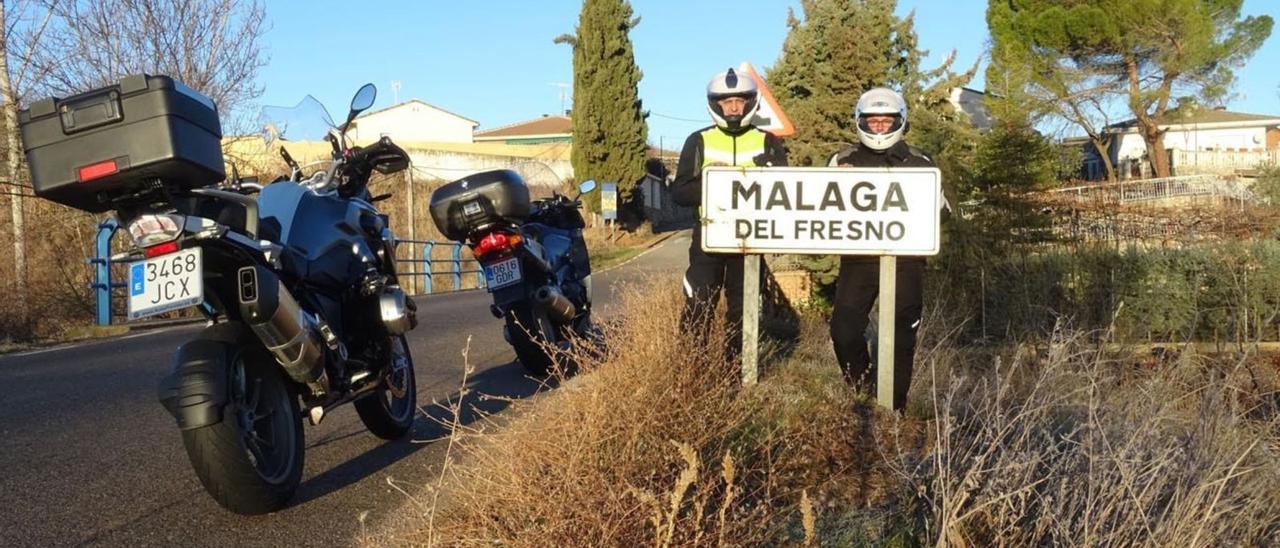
(19, 185)
(677, 118)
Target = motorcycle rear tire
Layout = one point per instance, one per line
(385, 414)
(525, 327)
(251, 461)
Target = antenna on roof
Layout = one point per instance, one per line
(563, 93)
(395, 92)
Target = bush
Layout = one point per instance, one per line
(1054, 443)
(1227, 292)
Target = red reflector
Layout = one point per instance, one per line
(100, 169)
(161, 249)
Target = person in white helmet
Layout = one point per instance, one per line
(881, 117)
(732, 100)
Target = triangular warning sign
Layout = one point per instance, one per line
(769, 115)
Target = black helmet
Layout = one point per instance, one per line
(729, 84)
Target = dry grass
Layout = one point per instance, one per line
(1050, 444)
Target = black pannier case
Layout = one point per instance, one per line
(463, 206)
(87, 150)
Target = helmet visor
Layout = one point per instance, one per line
(879, 124)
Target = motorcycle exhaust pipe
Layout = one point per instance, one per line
(558, 307)
(290, 333)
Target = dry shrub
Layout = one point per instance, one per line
(654, 443)
(1071, 446)
(1055, 443)
(58, 242)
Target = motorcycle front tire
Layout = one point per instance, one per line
(390, 410)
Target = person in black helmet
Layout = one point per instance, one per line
(881, 116)
(732, 100)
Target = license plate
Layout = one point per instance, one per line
(165, 283)
(502, 273)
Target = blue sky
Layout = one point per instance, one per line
(494, 61)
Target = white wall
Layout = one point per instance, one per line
(414, 121)
(974, 105)
(1132, 146)
(450, 166)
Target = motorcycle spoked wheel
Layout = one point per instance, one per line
(388, 412)
(251, 461)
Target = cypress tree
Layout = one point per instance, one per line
(609, 129)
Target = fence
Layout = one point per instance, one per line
(428, 276)
(104, 287)
(1222, 161)
(1151, 190)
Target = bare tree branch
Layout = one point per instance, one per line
(213, 46)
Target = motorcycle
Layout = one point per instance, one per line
(296, 278)
(533, 256)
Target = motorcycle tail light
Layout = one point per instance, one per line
(149, 230)
(496, 242)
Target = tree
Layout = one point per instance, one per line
(840, 49)
(21, 26)
(1142, 53)
(609, 129)
(212, 46)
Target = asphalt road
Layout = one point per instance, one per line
(89, 457)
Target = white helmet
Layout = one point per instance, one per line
(730, 84)
(881, 102)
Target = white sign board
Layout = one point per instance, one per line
(609, 201)
(824, 211)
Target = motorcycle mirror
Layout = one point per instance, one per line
(586, 186)
(364, 98)
(361, 102)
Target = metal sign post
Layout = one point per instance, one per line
(750, 319)
(822, 211)
(885, 330)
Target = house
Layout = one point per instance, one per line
(1201, 141)
(973, 103)
(413, 121)
(547, 129)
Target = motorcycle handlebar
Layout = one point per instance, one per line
(384, 146)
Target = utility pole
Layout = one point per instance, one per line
(564, 94)
(395, 92)
(413, 234)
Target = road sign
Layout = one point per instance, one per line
(609, 201)
(843, 211)
(769, 115)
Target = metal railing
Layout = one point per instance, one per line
(1222, 161)
(426, 273)
(101, 261)
(1148, 190)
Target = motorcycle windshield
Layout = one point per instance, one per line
(307, 121)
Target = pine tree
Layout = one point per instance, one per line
(1075, 58)
(609, 129)
(840, 49)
